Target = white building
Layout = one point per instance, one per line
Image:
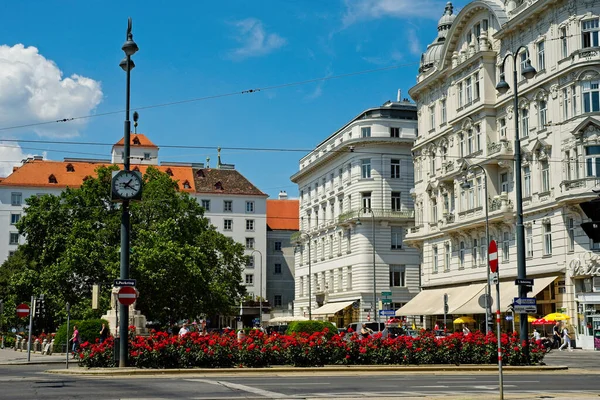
(354, 209)
(232, 204)
(464, 121)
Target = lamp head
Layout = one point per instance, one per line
(528, 72)
(123, 64)
(465, 185)
(129, 47)
(502, 86)
(358, 223)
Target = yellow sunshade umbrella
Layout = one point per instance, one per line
(556, 317)
(464, 320)
(530, 318)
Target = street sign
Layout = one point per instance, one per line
(493, 256)
(386, 294)
(387, 313)
(494, 278)
(526, 282)
(386, 301)
(485, 301)
(525, 305)
(125, 282)
(22, 310)
(127, 295)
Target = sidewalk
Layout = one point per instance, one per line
(10, 356)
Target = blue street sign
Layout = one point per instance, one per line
(387, 313)
(524, 305)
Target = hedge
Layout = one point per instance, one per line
(310, 327)
(89, 330)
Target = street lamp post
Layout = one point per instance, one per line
(130, 48)
(260, 312)
(362, 211)
(466, 185)
(502, 87)
(309, 278)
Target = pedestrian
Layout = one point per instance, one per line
(556, 335)
(365, 332)
(75, 340)
(103, 333)
(536, 335)
(566, 339)
(466, 330)
(184, 330)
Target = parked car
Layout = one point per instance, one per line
(280, 329)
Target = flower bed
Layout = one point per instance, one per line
(160, 350)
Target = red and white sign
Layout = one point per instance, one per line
(22, 310)
(127, 295)
(493, 255)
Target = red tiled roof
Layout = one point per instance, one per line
(283, 214)
(40, 173)
(137, 139)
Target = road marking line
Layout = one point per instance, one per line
(244, 388)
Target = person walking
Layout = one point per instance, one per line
(566, 338)
(466, 330)
(556, 335)
(75, 340)
(183, 331)
(103, 333)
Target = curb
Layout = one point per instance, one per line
(276, 370)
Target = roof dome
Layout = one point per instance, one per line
(434, 51)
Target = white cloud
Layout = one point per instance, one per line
(33, 90)
(255, 41)
(357, 10)
(11, 155)
(413, 43)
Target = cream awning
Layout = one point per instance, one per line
(508, 291)
(469, 300)
(332, 308)
(431, 301)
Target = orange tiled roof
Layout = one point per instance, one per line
(137, 139)
(61, 174)
(283, 215)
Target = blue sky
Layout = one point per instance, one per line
(197, 49)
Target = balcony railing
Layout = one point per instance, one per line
(501, 146)
(377, 213)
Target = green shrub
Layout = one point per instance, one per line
(311, 327)
(89, 331)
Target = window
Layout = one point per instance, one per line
(469, 90)
(545, 165)
(395, 169)
(470, 141)
(592, 161)
(277, 270)
(435, 259)
(277, 300)
(529, 241)
(445, 203)
(70, 168)
(366, 200)
(526, 181)
(249, 206)
(460, 94)
(249, 243)
(16, 199)
(365, 168)
(227, 205)
(146, 156)
(447, 256)
(576, 167)
(250, 261)
(278, 246)
(547, 239)
(589, 33)
(591, 96)
(565, 95)
(434, 216)
(394, 132)
(249, 224)
(462, 144)
(365, 131)
(502, 123)
(541, 56)
(478, 136)
(14, 218)
(483, 247)
(397, 275)
(505, 246)
(504, 184)
(432, 117)
(227, 224)
(443, 107)
(477, 85)
(396, 201)
(571, 233)
(461, 255)
(14, 238)
(567, 165)
(432, 164)
(474, 257)
(349, 279)
(524, 117)
(397, 233)
(249, 279)
(564, 42)
(543, 114)
(523, 57)
(573, 101)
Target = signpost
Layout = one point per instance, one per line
(22, 310)
(525, 282)
(387, 313)
(125, 282)
(525, 305)
(495, 276)
(127, 295)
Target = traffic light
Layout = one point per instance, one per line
(592, 210)
(41, 306)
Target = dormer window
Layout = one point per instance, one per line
(136, 140)
(70, 168)
(169, 172)
(219, 186)
(52, 179)
(136, 169)
(186, 185)
(200, 174)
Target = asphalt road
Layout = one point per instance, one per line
(30, 382)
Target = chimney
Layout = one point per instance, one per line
(283, 195)
(399, 95)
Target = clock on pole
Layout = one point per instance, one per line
(126, 185)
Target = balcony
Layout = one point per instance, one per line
(387, 214)
(503, 147)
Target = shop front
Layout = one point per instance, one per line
(586, 279)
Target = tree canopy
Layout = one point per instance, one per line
(182, 265)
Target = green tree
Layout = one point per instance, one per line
(183, 266)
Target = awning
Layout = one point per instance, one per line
(470, 300)
(332, 308)
(508, 291)
(431, 301)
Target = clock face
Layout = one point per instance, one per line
(127, 184)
